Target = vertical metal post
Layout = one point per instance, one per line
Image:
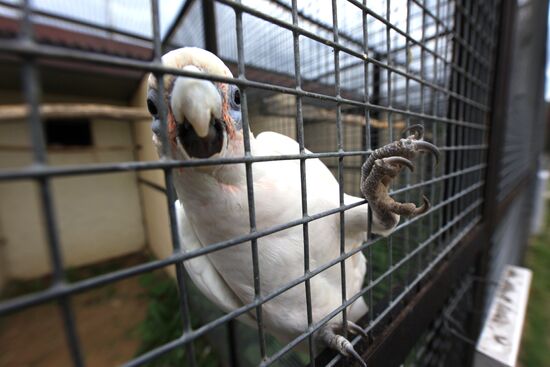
(434, 94)
(340, 145)
(389, 116)
(209, 26)
(170, 194)
(31, 85)
(450, 186)
(250, 181)
(462, 156)
(375, 96)
(422, 111)
(368, 147)
(408, 56)
(497, 117)
(499, 99)
(445, 130)
(303, 177)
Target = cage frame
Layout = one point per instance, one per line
(410, 314)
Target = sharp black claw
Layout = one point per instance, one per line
(352, 353)
(426, 205)
(400, 160)
(356, 329)
(337, 342)
(429, 147)
(417, 130)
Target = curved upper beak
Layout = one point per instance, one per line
(196, 101)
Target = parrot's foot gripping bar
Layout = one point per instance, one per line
(328, 335)
(383, 165)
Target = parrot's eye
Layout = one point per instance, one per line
(235, 97)
(152, 102)
(235, 103)
(152, 107)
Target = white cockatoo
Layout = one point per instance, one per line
(204, 121)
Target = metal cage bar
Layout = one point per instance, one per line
(170, 193)
(303, 178)
(340, 147)
(31, 94)
(250, 184)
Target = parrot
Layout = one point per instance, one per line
(204, 121)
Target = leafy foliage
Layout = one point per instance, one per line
(163, 324)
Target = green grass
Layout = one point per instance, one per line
(536, 336)
(163, 324)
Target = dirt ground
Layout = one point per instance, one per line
(107, 320)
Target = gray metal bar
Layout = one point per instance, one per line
(340, 147)
(389, 117)
(408, 123)
(434, 101)
(170, 194)
(367, 147)
(31, 87)
(38, 171)
(250, 183)
(303, 179)
(209, 26)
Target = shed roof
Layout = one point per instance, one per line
(61, 77)
(59, 36)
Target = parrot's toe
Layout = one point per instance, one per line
(416, 130)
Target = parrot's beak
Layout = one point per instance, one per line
(197, 110)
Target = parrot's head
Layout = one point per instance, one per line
(204, 117)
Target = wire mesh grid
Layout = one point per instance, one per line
(375, 69)
(447, 340)
(515, 153)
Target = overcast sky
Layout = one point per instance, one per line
(128, 15)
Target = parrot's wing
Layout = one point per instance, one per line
(320, 179)
(271, 143)
(202, 272)
(278, 143)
